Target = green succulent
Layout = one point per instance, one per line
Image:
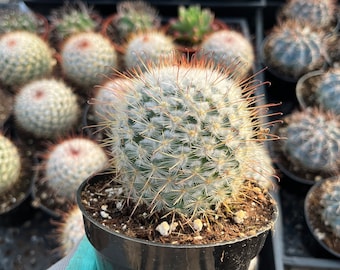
(14, 20)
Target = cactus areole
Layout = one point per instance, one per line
(181, 154)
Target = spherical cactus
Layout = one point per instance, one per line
(330, 202)
(70, 230)
(24, 57)
(10, 164)
(68, 163)
(13, 19)
(147, 47)
(313, 140)
(328, 91)
(318, 13)
(229, 47)
(293, 49)
(178, 144)
(46, 108)
(86, 58)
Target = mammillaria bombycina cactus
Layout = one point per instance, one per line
(46, 108)
(68, 163)
(86, 58)
(24, 57)
(229, 47)
(10, 164)
(181, 143)
(318, 13)
(330, 202)
(293, 49)
(313, 140)
(145, 48)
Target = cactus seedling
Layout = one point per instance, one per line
(46, 108)
(86, 57)
(24, 57)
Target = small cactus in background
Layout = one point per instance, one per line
(313, 140)
(147, 47)
(330, 202)
(68, 163)
(69, 230)
(183, 143)
(10, 164)
(328, 91)
(227, 48)
(73, 18)
(24, 57)
(46, 108)
(86, 58)
(293, 49)
(317, 13)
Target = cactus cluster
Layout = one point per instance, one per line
(227, 48)
(183, 142)
(10, 164)
(312, 140)
(330, 202)
(46, 108)
(24, 57)
(144, 48)
(87, 57)
(68, 163)
(293, 49)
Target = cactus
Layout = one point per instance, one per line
(69, 162)
(313, 140)
(147, 47)
(327, 91)
(317, 13)
(70, 230)
(24, 57)
(192, 24)
(330, 202)
(86, 58)
(179, 142)
(10, 164)
(13, 19)
(46, 108)
(73, 18)
(293, 49)
(229, 47)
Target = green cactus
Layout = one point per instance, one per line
(313, 140)
(330, 202)
(328, 91)
(86, 58)
(293, 49)
(46, 108)
(68, 163)
(147, 47)
(192, 24)
(13, 19)
(317, 13)
(179, 143)
(24, 57)
(227, 48)
(10, 164)
(73, 18)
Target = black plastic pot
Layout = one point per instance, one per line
(118, 251)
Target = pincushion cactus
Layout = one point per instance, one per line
(229, 47)
(10, 164)
(46, 108)
(330, 202)
(292, 49)
(68, 163)
(318, 13)
(147, 47)
(86, 58)
(179, 143)
(313, 140)
(24, 57)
